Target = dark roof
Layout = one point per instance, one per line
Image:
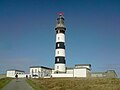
(69, 68)
(40, 67)
(83, 65)
(15, 70)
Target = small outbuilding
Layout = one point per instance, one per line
(11, 73)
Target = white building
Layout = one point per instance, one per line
(80, 70)
(11, 73)
(40, 71)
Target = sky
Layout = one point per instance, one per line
(27, 33)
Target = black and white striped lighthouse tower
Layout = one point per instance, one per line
(60, 45)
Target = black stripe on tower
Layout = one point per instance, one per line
(60, 31)
(60, 45)
(60, 60)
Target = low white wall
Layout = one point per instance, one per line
(96, 75)
(69, 71)
(62, 75)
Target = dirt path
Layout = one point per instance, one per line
(19, 84)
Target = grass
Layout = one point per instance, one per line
(4, 81)
(75, 84)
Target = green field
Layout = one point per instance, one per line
(4, 81)
(75, 84)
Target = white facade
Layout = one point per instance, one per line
(80, 72)
(62, 75)
(12, 73)
(40, 71)
(69, 71)
(97, 75)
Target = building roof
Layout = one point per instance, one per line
(83, 65)
(15, 70)
(111, 71)
(40, 67)
(69, 68)
(82, 68)
(77, 68)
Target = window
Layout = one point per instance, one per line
(32, 71)
(35, 70)
(57, 67)
(57, 59)
(57, 52)
(58, 38)
(58, 31)
(58, 44)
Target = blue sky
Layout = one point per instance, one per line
(27, 35)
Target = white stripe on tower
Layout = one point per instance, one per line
(60, 52)
(60, 37)
(60, 45)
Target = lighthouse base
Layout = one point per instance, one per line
(59, 68)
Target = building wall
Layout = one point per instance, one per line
(75, 72)
(20, 73)
(62, 75)
(69, 71)
(12, 74)
(40, 72)
(53, 71)
(35, 71)
(88, 73)
(97, 75)
(80, 72)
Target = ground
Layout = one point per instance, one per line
(19, 84)
(75, 84)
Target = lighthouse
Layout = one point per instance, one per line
(60, 45)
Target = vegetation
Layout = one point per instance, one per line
(4, 81)
(75, 84)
